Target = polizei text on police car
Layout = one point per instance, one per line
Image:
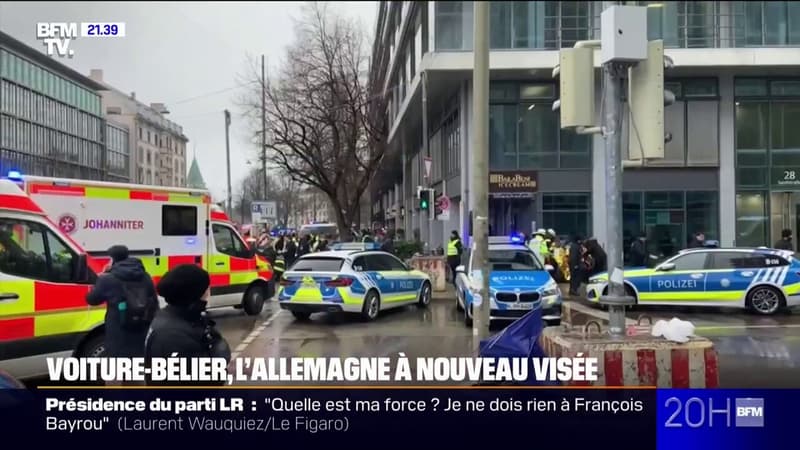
(363, 369)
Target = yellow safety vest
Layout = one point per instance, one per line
(452, 250)
(544, 248)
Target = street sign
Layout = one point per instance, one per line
(443, 202)
(428, 165)
(263, 211)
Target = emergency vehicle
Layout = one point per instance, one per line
(518, 283)
(762, 280)
(44, 279)
(164, 227)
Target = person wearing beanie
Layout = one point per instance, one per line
(131, 303)
(182, 329)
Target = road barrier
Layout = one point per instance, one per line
(639, 360)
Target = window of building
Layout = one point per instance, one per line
(453, 25)
(178, 220)
(568, 213)
(767, 23)
(669, 219)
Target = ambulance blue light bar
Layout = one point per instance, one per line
(14, 175)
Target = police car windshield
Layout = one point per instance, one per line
(317, 265)
(513, 260)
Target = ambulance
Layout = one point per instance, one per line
(46, 270)
(163, 227)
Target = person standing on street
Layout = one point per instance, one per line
(576, 272)
(388, 243)
(785, 242)
(699, 240)
(132, 303)
(454, 251)
(639, 251)
(182, 329)
(290, 252)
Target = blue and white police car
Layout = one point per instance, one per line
(355, 281)
(518, 283)
(759, 279)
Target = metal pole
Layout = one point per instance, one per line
(480, 178)
(427, 152)
(264, 125)
(612, 132)
(228, 159)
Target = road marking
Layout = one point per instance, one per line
(745, 327)
(254, 335)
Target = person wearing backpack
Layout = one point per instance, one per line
(131, 303)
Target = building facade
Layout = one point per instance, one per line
(51, 120)
(118, 152)
(158, 145)
(728, 170)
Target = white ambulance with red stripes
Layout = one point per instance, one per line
(164, 227)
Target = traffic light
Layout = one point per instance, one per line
(647, 98)
(576, 80)
(424, 199)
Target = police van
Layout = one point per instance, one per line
(164, 227)
(518, 283)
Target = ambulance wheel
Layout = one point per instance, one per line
(372, 306)
(765, 300)
(94, 347)
(253, 301)
(425, 296)
(468, 316)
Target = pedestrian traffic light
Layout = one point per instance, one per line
(576, 87)
(424, 199)
(647, 98)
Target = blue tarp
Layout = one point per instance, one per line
(518, 340)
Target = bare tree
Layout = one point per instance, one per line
(325, 130)
(281, 190)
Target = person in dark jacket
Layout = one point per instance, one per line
(290, 252)
(598, 257)
(785, 242)
(182, 329)
(639, 251)
(304, 247)
(388, 243)
(120, 341)
(698, 241)
(576, 272)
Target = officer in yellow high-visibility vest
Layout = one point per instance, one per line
(454, 251)
(538, 244)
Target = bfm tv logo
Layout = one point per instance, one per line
(696, 412)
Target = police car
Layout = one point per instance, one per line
(356, 281)
(518, 283)
(761, 280)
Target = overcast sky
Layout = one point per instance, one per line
(174, 53)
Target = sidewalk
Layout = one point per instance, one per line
(448, 294)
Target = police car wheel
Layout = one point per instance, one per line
(372, 306)
(424, 296)
(301, 316)
(765, 300)
(253, 301)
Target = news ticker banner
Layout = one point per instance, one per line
(348, 416)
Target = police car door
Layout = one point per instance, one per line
(683, 281)
(389, 275)
(734, 272)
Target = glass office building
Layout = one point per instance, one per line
(50, 116)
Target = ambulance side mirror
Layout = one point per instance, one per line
(251, 251)
(82, 269)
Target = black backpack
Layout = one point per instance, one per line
(136, 308)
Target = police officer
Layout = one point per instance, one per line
(538, 244)
(454, 250)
